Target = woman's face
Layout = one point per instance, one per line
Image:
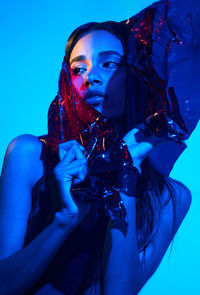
(98, 72)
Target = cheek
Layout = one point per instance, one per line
(117, 84)
(116, 91)
(78, 82)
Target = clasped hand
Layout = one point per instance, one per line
(72, 168)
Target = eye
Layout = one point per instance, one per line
(78, 71)
(111, 65)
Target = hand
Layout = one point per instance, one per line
(72, 168)
(140, 146)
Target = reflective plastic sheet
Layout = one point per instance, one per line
(156, 49)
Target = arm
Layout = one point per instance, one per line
(125, 271)
(22, 268)
(122, 268)
(22, 168)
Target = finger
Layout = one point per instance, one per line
(70, 152)
(79, 152)
(82, 147)
(67, 173)
(131, 136)
(77, 168)
(73, 153)
(82, 169)
(80, 176)
(80, 156)
(65, 146)
(63, 149)
(67, 156)
(67, 151)
(76, 174)
(74, 164)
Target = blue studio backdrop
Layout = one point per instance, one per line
(33, 38)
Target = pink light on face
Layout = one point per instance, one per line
(96, 66)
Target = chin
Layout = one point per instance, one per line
(99, 109)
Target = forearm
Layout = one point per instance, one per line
(123, 270)
(21, 270)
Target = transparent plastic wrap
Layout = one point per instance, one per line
(155, 55)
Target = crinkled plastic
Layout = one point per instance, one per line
(161, 52)
(110, 166)
(157, 50)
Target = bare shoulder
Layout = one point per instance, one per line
(23, 155)
(23, 143)
(176, 200)
(22, 168)
(180, 200)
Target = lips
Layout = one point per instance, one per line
(95, 100)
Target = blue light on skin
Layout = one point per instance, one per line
(96, 63)
(44, 36)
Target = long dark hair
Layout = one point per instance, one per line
(149, 205)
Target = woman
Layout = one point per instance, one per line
(60, 244)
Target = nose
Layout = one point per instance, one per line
(93, 77)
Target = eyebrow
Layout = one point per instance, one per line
(101, 54)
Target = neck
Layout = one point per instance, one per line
(118, 125)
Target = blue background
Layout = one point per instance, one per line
(33, 38)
